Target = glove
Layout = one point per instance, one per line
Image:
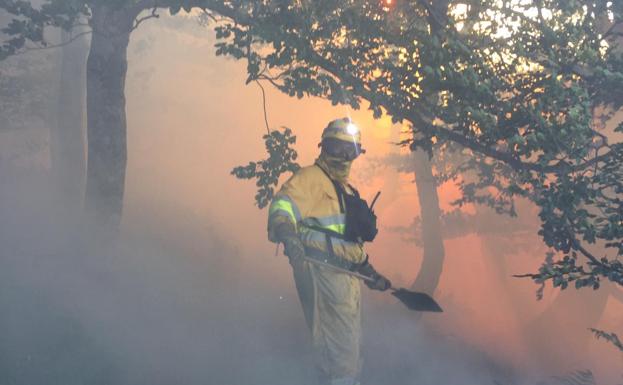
(379, 282)
(292, 245)
(293, 248)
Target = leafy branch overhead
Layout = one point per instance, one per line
(517, 86)
(281, 159)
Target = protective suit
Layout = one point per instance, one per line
(306, 204)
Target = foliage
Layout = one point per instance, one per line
(610, 337)
(281, 159)
(514, 83)
(28, 22)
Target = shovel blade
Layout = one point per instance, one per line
(417, 301)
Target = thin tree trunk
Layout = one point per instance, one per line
(107, 148)
(67, 150)
(432, 261)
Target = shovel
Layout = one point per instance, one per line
(413, 300)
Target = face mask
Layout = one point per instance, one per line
(338, 168)
(338, 163)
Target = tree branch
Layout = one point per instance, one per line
(417, 116)
(586, 253)
(73, 38)
(264, 105)
(152, 15)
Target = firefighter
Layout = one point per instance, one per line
(317, 214)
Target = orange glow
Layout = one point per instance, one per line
(181, 155)
(381, 129)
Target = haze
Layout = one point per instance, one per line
(194, 293)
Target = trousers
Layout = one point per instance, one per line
(331, 304)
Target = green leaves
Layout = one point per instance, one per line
(281, 159)
(569, 270)
(521, 103)
(28, 22)
(610, 337)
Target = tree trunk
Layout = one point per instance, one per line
(67, 150)
(432, 239)
(106, 116)
(430, 213)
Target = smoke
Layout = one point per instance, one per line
(154, 308)
(165, 306)
(179, 303)
(192, 293)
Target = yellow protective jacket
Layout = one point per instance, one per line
(331, 300)
(309, 200)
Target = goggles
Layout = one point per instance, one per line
(341, 149)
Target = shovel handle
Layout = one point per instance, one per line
(428, 305)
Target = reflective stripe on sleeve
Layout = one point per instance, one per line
(282, 205)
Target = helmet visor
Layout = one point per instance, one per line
(342, 149)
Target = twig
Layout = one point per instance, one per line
(610, 337)
(72, 39)
(210, 15)
(264, 105)
(586, 253)
(138, 21)
(269, 79)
